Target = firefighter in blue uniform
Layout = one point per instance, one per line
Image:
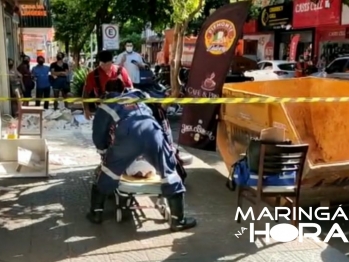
(123, 132)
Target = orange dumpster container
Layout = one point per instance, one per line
(324, 126)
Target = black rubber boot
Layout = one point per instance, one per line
(179, 222)
(95, 215)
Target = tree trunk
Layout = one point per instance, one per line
(99, 37)
(175, 62)
(76, 57)
(66, 46)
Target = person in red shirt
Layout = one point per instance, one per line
(97, 79)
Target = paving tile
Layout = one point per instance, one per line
(46, 221)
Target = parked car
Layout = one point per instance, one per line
(338, 68)
(272, 70)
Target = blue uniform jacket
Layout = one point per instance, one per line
(108, 115)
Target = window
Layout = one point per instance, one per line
(9, 38)
(287, 67)
(337, 66)
(268, 66)
(260, 66)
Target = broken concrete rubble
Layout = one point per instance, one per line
(62, 119)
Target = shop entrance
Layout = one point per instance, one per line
(283, 40)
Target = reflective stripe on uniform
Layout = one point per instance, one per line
(171, 178)
(111, 112)
(101, 151)
(110, 173)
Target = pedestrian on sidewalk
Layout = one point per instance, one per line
(28, 84)
(97, 79)
(40, 73)
(59, 76)
(133, 62)
(16, 82)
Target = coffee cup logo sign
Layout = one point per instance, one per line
(208, 86)
(197, 132)
(220, 36)
(201, 93)
(310, 6)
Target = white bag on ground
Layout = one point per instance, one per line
(141, 168)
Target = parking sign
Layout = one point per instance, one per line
(110, 37)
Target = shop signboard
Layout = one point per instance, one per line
(213, 56)
(32, 43)
(35, 16)
(308, 13)
(275, 17)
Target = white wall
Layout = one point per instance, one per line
(345, 14)
(265, 49)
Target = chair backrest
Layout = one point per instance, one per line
(18, 96)
(276, 159)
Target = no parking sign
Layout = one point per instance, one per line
(110, 37)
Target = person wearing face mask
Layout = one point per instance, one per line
(97, 79)
(59, 78)
(28, 84)
(41, 72)
(133, 62)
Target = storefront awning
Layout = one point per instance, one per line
(29, 2)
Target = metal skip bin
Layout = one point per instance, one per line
(322, 125)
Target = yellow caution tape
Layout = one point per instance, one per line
(168, 100)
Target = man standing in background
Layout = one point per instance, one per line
(132, 62)
(28, 85)
(59, 75)
(40, 72)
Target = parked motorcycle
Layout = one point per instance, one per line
(162, 75)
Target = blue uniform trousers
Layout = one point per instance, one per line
(139, 135)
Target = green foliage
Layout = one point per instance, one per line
(195, 25)
(78, 83)
(254, 12)
(73, 21)
(184, 10)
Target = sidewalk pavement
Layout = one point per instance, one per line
(44, 221)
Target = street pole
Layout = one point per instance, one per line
(5, 106)
(91, 50)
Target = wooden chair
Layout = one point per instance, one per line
(33, 110)
(273, 161)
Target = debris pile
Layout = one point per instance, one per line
(62, 119)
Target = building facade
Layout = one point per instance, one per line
(10, 44)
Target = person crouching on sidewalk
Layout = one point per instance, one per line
(122, 133)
